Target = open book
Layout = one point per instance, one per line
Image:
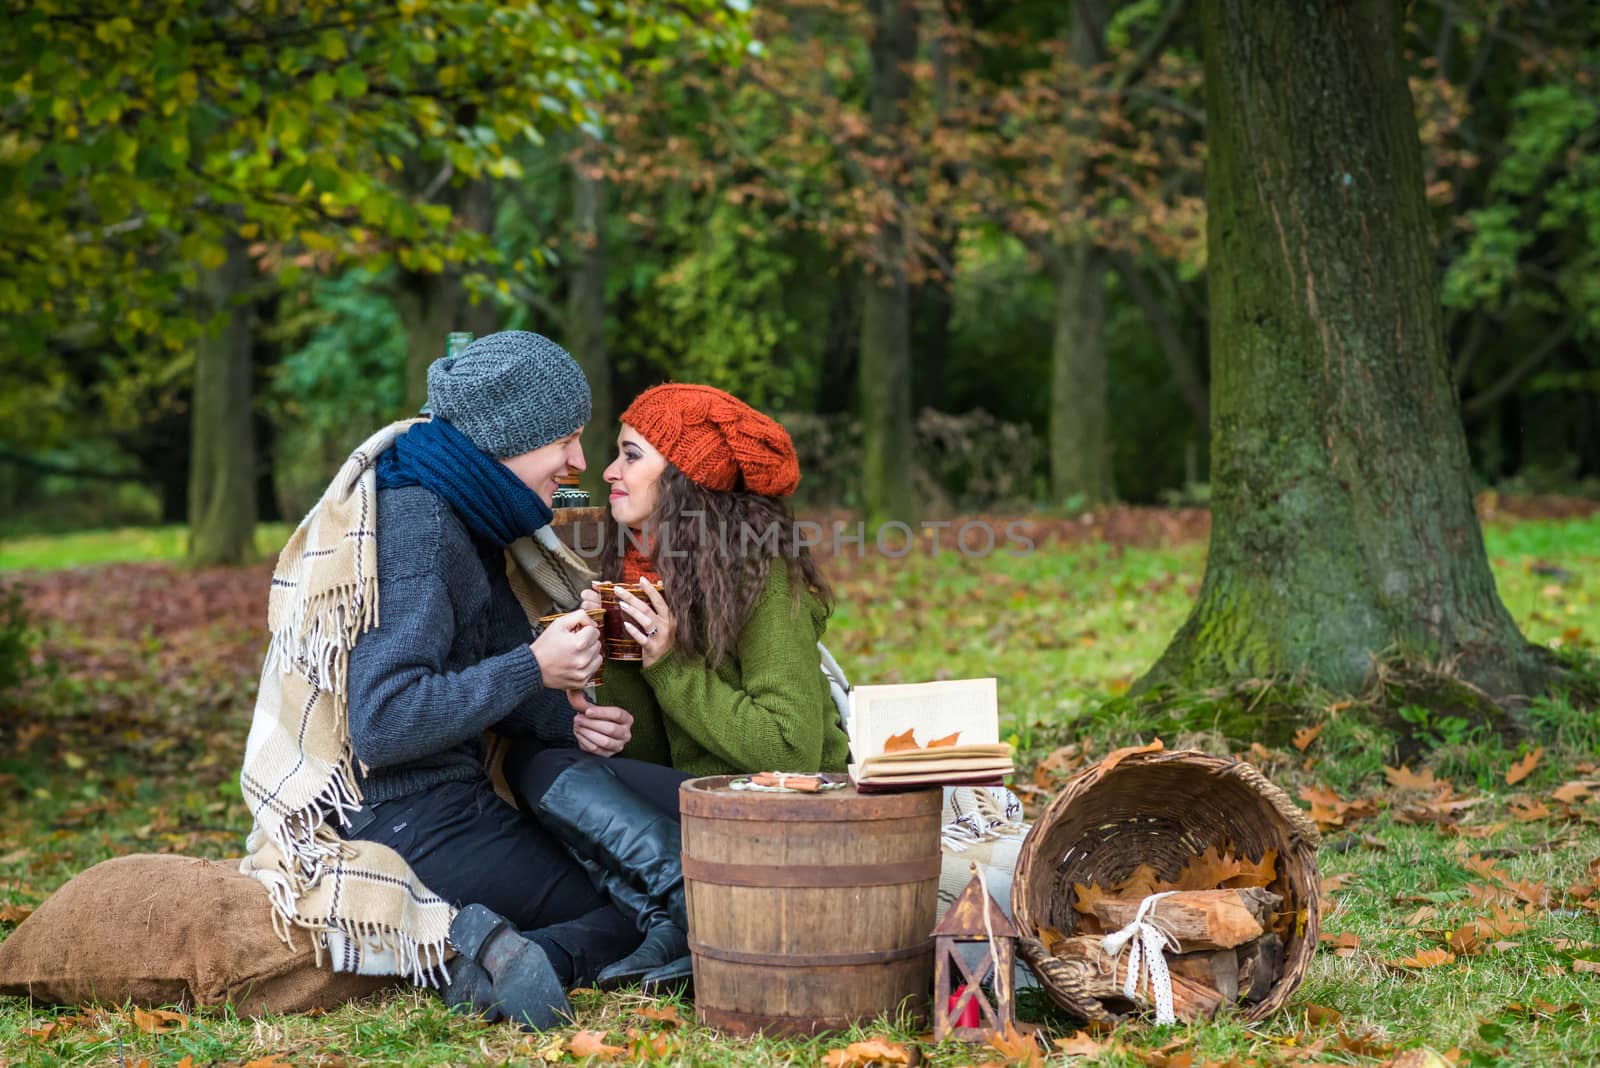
(925, 733)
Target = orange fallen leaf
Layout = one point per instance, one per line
(1317, 1015)
(269, 1061)
(1424, 958)
(15, 913)
(949, 739)
(1051, 937)
(159, 1021)
(1081, 1044)
(900, 742)
(868, 1051)
(1305, 736)
(1526, 810)
(643, 1047)
(667, 1015)
(1574, 792)
(1117, 756)
(1332, 884)
(1521, 769)
(1406, 779)
(593, 1044)
(1344, 945)
(1018, 1048)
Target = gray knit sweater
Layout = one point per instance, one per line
(449, 658)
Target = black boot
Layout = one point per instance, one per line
(639, 853)
(521, 983)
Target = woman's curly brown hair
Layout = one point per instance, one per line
(714, 551)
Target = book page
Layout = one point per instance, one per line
(931, 709)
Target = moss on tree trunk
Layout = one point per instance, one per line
(1343, 522)
(222, 457)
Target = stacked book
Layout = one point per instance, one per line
(925, 734)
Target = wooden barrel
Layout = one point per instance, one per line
(809, 912)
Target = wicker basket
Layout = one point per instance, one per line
(1159, 809)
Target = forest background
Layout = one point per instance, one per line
(231, 248)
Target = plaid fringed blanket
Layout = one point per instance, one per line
(359, 900)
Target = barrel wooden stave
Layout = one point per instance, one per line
(783, 958)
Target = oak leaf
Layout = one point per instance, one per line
(159, 1021)
(1081, 1044)
(1574, 792)
(947, 740)
(1117, 756)
(1344, 945)
(593, 1044)
(1017, 1047)
(897, 743)
(1305, 736)
(1424, 958)
(1521, 769)
(1526, 810)
(1404, 778)
(868, 1051)
(667, 1014)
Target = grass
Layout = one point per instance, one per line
(120, 545)
(131, 739)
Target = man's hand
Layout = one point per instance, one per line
(600, 729)
(568, 652)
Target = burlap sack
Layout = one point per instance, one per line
(163, 930)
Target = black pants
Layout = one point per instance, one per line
(531, 770)
(468, 846)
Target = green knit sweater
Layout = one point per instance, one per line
(766, 707)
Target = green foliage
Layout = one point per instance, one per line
(140, 138)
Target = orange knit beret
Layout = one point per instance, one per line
(716, 439)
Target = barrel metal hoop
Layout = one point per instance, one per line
(811, 960)
(816, 876)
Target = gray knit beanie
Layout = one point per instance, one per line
(510, 392)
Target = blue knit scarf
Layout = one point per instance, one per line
(493, 502)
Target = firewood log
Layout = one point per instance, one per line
(1199, 919)
(1218, 970)
(1192, 999)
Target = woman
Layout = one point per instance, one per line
(436, 649)
(731, 678)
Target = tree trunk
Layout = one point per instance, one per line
(586, 318)
(884, 383)
(1343, 523)
(1080, 426)
(222, 456)
(433, 305)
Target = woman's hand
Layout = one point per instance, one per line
(568, 652)
(600, 729)
(650, 623)
(589, 600)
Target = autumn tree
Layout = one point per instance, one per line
(1343, 520)
(149, 140)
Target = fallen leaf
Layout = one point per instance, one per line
(1051, 937)
(1589, 967)
(1344, 945)
(1305, 736)
(1317, 1015)
(1018, 1047)
(949, 739)
(1421, 1057)
(645, 1047)
(593, 1044)
(1081, 1044)
(1574, 792)
(1465, 941)
(159, 1021)
(269, 1061)
(553, 1051)
(1117, 756)
(1523, 768)
(667, 1014)
(867, 1051)
(1424, 958)
(1405, 779)
(1332, 884)
(15, 913)
(1526, 810)
(899, 742)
